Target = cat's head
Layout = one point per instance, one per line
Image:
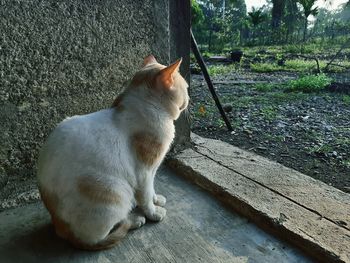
(162, 85)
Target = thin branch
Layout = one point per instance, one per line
(337, 54)
(201, 63)
(307, 57)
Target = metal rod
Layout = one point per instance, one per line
(203, 67)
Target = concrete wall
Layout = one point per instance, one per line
(60, 58)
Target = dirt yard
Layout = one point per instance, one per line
(309, 132)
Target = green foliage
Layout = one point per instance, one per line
(264, 87)
(269, 113)
(310, 83)
(214, 70)
(197, 15)
(309, 48)
(346, 162)
(256, 16)
(265, 67)
(308, 7)
(277, 90)
(298, 65)
(207, 54)
(302, 65)
(217, 28)
(346, 99)
(323, 149)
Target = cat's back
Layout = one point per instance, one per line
(88, 123)
(85, 129)
(83, 140)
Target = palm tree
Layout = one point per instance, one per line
(256, 17)
(308, 10)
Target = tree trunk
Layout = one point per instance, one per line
(291, 19)
(210, 37)
(305, 29)
(277, 13)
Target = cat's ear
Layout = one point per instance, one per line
(149, 60)
(165, 76)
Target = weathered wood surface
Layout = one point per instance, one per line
(197, 228)
(327, 201)
(320, 237)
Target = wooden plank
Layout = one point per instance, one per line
(312, 194)
(317, 236)
(197, 228)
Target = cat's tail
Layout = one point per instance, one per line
(112, 239)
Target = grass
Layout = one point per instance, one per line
(342, 141)
(336, 69)
(265, 67)
(346, 163)
(309, 83)
(214, 70)
(269, 113)
(264, 87)
(310, 48)
(315, 47)
(299, 65)
(323, 149)
(282, 97)
(329, 147)
(295, 65)
(346, 99)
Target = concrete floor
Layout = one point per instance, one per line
(197, 229)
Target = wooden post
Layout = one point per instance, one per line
(180, 24)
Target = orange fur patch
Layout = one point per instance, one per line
(145, 77)
(148, 148)
(51, 202)
(64, 231)
(97, 191)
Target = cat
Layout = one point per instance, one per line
(95, 168)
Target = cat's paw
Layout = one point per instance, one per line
(159, 200)
(158, 214)
(137, 221)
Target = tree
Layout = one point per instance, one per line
(256, 17)
(277, 13)
(291, 18)
(196, 13)
(308, 10)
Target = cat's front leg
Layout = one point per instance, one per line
(145, 200)
(159, 200)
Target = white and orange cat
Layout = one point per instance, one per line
(95, 168)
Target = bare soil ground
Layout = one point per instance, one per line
(307, 132)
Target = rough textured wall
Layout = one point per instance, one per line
(61, 58)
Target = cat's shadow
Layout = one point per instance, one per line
(40, 244)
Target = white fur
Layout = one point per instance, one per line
(99, 145)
